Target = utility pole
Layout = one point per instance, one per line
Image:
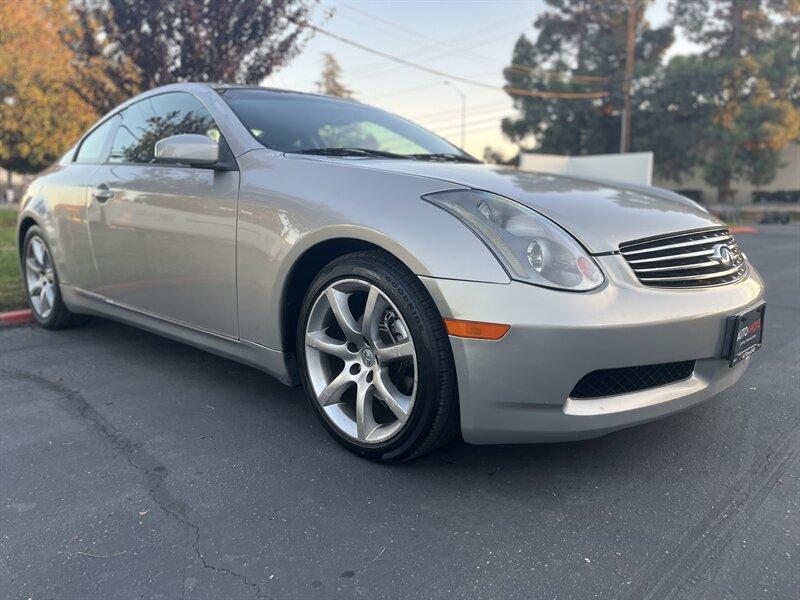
(625, 131)
(463, 109)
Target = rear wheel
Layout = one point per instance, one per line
(41, 282)
(375, 359)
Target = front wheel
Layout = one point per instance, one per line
(375, 359)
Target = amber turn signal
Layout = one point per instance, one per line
(476, 329)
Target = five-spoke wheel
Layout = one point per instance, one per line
(40, 277)
(375, 359)
(42, 283)
(361, 360)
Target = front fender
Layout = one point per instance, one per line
(286, 207)
(35, 207)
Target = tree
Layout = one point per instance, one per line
(329, 82)
(123, 47)
(727, 27)
(496, 157)
(742, 91)
(674, 113)
(581, 47)
(40, 116)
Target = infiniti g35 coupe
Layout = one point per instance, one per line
(414, 292)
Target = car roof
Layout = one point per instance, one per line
(233, 86)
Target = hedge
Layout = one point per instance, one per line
(783, 196)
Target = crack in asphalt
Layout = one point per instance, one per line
(154, 472)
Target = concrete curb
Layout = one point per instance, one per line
(743, 229)
(16, 317)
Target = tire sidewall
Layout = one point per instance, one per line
(427, 387)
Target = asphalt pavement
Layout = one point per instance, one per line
(132, 466)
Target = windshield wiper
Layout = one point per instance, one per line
(445, 157)
(352, 152)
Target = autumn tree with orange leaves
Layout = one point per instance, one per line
(40, 116)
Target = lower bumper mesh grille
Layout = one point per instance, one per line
(611, 382)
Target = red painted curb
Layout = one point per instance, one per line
(16, 317)
(743, 229)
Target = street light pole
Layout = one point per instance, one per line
(463, 109)
(630, 47)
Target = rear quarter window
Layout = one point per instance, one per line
(94, 146)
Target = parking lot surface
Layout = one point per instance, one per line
(133, 466)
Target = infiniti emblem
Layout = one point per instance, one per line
(722, 254)
(367, 357)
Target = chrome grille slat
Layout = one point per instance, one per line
(684, 255)
(715, 240)
(701, 265)
(692, 277)
(685, 260)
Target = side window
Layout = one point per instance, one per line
(92, 149)
(134, 141)
(152, 119)
(183, 113)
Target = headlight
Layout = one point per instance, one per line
(531, 247)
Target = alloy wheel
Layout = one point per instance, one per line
(40, 277)
(361, 361)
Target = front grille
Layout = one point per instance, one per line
(686, 260)
(610, 382)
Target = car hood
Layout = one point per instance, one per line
(601, 214)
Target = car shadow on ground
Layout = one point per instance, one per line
(283, 412)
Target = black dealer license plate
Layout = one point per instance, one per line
(746, 333)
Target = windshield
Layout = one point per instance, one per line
(290, 122)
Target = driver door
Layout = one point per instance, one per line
(164, 236)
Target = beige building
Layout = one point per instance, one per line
(13, 185)
(787, 178)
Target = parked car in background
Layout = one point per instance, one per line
(414, 292)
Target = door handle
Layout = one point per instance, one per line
(102, 193)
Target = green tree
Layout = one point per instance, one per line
(40, 116)
(736, 104)
(123, 47)
(580, 48)
(674, 112)
(330, 80)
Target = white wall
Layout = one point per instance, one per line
(634, 167)
(787, 178)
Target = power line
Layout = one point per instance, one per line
(429, 57)
(614, 79)
(472, 131)
(426, 85)
(430, 40)
(405, 90)
(510, 90)
(589, 79)
(490, 27)
(455, 110)
(452, 119)
(483, 121)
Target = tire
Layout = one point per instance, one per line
(427, 408)
(56, 315)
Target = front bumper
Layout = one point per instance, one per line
(517, 389)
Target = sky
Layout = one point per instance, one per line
(466, 38)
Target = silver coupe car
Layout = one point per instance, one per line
(415, 293)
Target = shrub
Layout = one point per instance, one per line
(783, 196)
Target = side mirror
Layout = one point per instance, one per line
(187, 149)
